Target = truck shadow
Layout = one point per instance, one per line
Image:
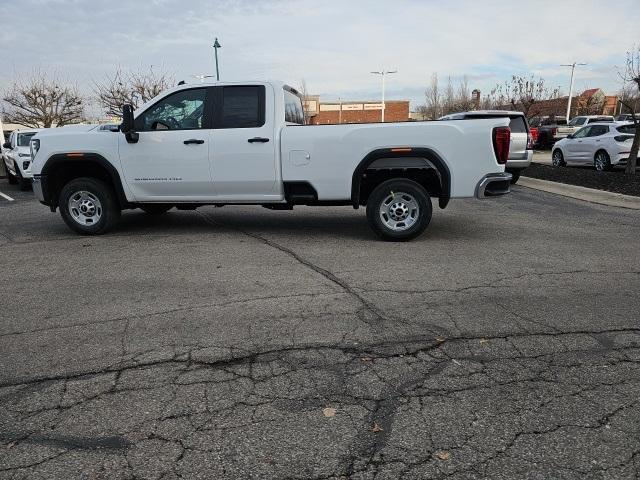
(313, 223)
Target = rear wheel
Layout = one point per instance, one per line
(155, 208)
(515, 176)
(89, 206)
(399, 210)
(557, 159)
(601, 161)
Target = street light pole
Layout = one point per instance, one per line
(573, 68)
(383, 73)
(216, 46)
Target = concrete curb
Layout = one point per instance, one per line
(582, 193)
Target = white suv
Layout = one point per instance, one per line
(602, 145)
(17, 158)
(521, 146)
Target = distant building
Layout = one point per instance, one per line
(323, 113)
(590, 102)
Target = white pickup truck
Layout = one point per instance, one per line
(244, 143)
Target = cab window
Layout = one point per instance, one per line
(598, 130)
(293, 112)
(242, 107)
(183, 110)
(583, 132)
(577, 122)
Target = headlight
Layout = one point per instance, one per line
(35, 146)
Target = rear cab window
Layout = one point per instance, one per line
(293, 112)
(241, 106)
(518, 125)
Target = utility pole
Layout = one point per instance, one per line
(216, 46)
(383, 73)
(573, 68)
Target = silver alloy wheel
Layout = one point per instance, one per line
(601, 162)
(85, 208)
(556, 161)
(399, 211)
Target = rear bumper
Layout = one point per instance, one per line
(520, 163)
(493, 185)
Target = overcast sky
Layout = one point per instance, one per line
(333, 45)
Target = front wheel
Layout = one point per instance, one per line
(399, 210)
(89, 206)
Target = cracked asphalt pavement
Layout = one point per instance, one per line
(240, 342)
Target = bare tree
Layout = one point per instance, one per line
(42, 101)
(304, 94)
(134, 87)
(591, 104)
(522, 94)
(432, 109)
(631, 75)
(443, 102)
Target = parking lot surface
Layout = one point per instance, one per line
(240, 342)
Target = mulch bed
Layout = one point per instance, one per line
(615, 181)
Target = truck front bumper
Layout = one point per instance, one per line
(493, 185)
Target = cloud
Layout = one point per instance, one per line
(332, 44)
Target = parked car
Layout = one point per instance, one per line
(602, 145)
(580, 121)
(547, 130)
(17, 158)
(521, 147)
(245, 143)
(627, 117)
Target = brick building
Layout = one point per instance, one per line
(323, 113)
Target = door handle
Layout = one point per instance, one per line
(258, 140)
(193, 140)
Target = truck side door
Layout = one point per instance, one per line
(170, 161)
(243, 148)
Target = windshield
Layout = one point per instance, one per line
(23, 139)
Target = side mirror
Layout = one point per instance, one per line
(7, 145)
(127, 126)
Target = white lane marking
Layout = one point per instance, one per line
(6, 197)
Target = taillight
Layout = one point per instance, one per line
(554, 131)
(529, 141)
(501, 139)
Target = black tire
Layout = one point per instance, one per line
(557, 159)
(89, 190)
(601, 161)
(416, 203)
(23, 183)
(11, 178)
(156, 208)
(515, 176)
